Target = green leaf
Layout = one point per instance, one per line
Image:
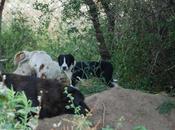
(139, 128)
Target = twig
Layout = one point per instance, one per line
(104, 113)
(172, 67)
(96, 126)
(155, 60)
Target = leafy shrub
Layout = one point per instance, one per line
(145, 45)
(18, 36)
(13, 105)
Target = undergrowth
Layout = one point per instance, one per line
(166, 107)
(14, 110)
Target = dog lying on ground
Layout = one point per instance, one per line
(83, 70)
(37, 63)
(53, 99)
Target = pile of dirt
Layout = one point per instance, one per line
(121, 109)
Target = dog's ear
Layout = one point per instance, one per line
(20, 56)
(72, 58)
(71, 55)
(59, 57)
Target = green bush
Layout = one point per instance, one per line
(12, 105)
(16, 37)
(145, 45)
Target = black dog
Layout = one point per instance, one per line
(76, 70)
(53, 98)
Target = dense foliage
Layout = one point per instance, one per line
(140, 41)
(142, 46)
(145, 45)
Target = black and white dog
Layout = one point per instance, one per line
(83, 70)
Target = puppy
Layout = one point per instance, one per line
(53, 97)
(38, 62)
(76, 70)
(66, 63)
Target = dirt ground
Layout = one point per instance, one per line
(122, 109)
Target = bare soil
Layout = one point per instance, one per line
(121, 109)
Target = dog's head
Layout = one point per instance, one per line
(66, 62)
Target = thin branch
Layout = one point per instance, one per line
(172, 67)
(155, 61)
(104, 114)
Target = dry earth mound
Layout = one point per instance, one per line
(122, 109)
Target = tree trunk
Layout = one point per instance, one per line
(110, 15)
(103, 50)
(1, 10)
(111, 20)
